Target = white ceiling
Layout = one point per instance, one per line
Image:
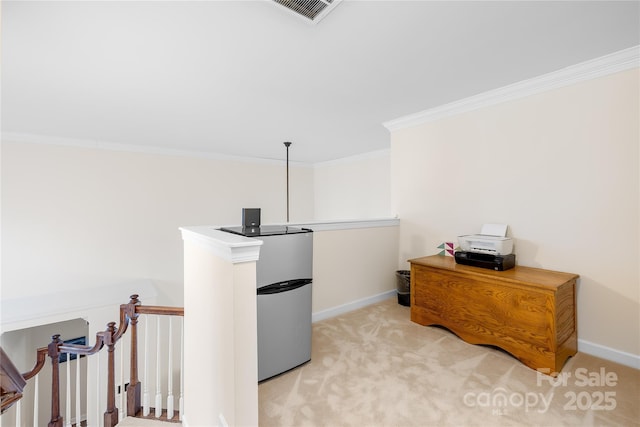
(241, 77)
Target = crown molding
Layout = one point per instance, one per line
(609, 64)
(29, 138)
(358, 157)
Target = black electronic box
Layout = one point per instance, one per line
(492, 262)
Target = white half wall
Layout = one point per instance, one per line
(220, 329)
(352, 265)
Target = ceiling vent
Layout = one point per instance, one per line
(312, 10)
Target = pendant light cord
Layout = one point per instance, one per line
(287, 144)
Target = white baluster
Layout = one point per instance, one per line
(67, 412)
(36, 408)
(78, 408)
(181, 400)
(158, 412)
(145, 397)
(19, 412)
(98, 418)
(122, 410)
(169, 376)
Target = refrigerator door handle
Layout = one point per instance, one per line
(287, 285)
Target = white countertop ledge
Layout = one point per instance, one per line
(228, 246)
(347, 224)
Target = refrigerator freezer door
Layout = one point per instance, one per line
(284, 257)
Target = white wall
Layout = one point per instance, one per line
(352, 265)
(86, 217)
(356, 187)
(78, 217)
(561, 168)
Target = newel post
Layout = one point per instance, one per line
(56, 419)
(111, 414)
(134, 389)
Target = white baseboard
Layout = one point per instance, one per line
(608, 353)
(354, 305)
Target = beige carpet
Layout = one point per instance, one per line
(374, 367)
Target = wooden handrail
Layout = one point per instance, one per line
(9, 398)
(12, 382)
(155, 309)
(41, 357)
(128, 316)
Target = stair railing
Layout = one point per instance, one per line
(129, 315)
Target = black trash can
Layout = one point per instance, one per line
(403, 279)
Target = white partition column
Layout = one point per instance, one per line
(220, 328)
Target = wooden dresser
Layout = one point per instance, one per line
(529, 312)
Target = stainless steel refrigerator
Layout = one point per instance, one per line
(284, 280)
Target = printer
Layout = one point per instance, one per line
(490, 249)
